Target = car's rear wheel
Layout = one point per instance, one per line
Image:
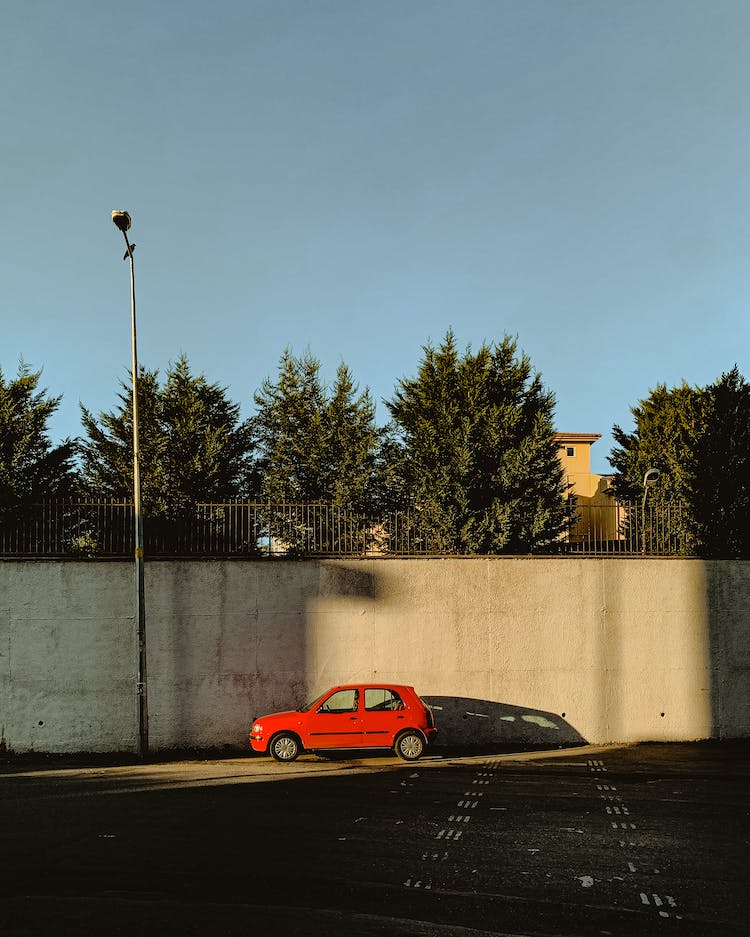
(285, 747)
(409, 745)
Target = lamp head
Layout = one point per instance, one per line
(651, 477)
(121, 220)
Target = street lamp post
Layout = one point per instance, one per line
(649, 480)
(121, 220)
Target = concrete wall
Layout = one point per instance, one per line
(540, 650)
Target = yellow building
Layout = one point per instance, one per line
(598, 512)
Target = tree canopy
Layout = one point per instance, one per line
(470, 449)
(699, 438)
(479, 457)
(31, 467)
(193, 445)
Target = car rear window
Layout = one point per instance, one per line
(381, 698)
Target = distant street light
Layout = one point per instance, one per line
(649, 480)
(121, 220)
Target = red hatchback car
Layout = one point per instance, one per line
(362, 715)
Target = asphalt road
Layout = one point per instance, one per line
(646, 840)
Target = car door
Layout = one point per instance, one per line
(383, 716)
(336, 721)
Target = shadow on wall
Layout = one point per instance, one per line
(230, 641)
(728, 601)
(465, 722)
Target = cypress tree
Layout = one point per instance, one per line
(479, 455)
(193, 445)
(31, 467)
(315, 445)
(699, 438)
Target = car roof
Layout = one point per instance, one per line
(373, 684)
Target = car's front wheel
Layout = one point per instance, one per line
(285, 747)
(409, 745)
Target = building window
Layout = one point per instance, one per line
(570, 451)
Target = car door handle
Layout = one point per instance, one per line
(354, 718)
(399, 717)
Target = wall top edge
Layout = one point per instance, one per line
(504, 557)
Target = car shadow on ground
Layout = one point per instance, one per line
(468, 723)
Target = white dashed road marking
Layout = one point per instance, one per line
(614, 807)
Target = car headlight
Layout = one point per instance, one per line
(257, 728)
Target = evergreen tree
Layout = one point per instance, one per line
(699, 438)
(667, 427)
(353, 445)
(316, 446)
(107, 452)
(289, 431)
(31, 468)
(193, 446)
(720, 490)
(479, 454)
(206, 448)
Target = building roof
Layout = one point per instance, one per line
(589, 438)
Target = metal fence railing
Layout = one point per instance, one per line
(261, 529)
(628, 529)
(68, 528)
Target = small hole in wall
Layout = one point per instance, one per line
(563, 715)
(41, 722)
(662, 715)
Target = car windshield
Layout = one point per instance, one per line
(308, 706)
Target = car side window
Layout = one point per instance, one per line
(380, 699)
(342, 701)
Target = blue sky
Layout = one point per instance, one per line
(356, 177)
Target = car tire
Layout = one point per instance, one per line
(285, 747)
(410, 745)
